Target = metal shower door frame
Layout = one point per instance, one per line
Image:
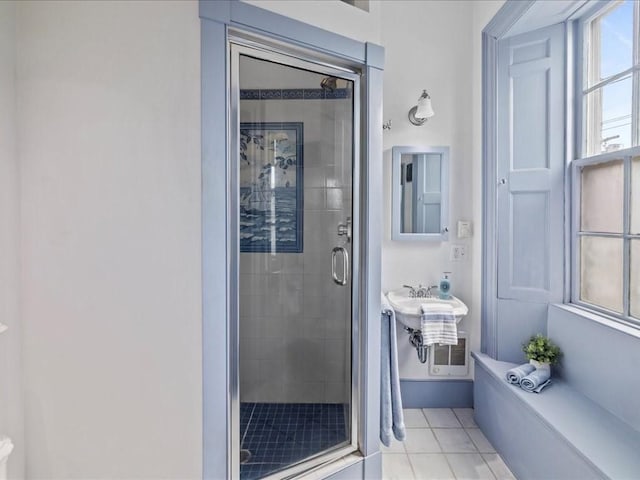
(250, 44)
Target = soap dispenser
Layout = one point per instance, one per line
(445, 286)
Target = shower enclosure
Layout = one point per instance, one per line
(295, 124)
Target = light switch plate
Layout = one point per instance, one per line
(464, 229)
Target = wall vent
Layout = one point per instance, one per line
(450, 360)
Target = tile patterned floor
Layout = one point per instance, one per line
(279, 434)
(442, 443)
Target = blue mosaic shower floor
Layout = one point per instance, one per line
(279, 434)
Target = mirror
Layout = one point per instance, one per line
(420, 190)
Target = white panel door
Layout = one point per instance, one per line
(531, 146)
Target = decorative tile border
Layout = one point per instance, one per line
(295, 94)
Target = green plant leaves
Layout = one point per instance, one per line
(542, 349)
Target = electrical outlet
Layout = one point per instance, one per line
(458, 253)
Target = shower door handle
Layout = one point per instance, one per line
(345, 265)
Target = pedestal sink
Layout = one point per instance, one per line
(408, 310)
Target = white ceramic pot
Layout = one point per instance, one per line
(541, 365)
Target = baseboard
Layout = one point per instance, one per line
(437, 393)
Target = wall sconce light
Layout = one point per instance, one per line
(418, 114)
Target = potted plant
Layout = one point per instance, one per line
(541, 352)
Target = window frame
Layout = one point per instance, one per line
(582, 159)
(626, 156)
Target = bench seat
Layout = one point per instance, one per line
(557, 434)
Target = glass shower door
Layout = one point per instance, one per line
(295, 176)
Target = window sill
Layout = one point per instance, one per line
(600, 318)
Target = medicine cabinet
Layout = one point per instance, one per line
(420, 190)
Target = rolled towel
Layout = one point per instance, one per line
(516, 374)
(541, 386)
(535, 380)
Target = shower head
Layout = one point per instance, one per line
(329, 83)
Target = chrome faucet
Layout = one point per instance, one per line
(412, 291)
(420, 292)
(429, 294)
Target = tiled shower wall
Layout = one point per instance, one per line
(295, 322)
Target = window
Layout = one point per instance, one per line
(606, 181)
(610, 73)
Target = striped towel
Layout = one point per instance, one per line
(438, 324)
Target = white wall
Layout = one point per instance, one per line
(333, 15)
(428, 46)
(11, 417)
(436, 46)
(108, 128)
(108, 136)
